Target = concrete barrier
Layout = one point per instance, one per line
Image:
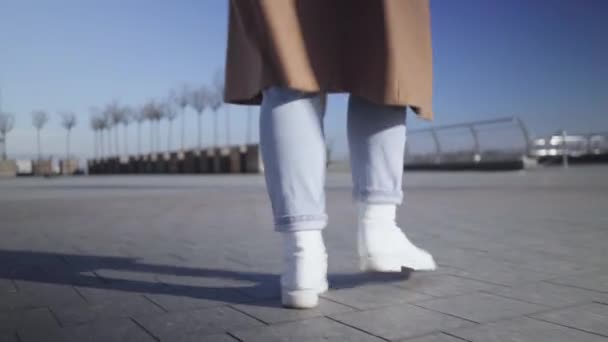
(160, 163)
(68, 167)
(8, 168)
(190, 162)
(253, 159)
(43, 167)
(173, 162)
(235, 159)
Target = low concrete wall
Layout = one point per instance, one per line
(8, 168)
(253, 159)
(68, 167)
(233, 159)
(43, 167)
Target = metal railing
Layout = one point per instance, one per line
(498, 140)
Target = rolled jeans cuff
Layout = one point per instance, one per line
(300, 222)
(372, 196)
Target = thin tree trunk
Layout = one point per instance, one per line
(126, 141)
(183, 128)
(169, 137)
(4, 157)
(151, 136)
(67, 148)
(200, 132)
(100, 147)
(117, 147)
(39, 147)
(159, 142)
(215, 129)
(139, 139)
(109, 138)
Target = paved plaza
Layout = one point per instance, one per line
(523, 256)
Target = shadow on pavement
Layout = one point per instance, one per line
(82, 271)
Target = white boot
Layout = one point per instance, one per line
(383, 247)
(305, 269)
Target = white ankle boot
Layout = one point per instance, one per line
(304, 275)
(383, 247)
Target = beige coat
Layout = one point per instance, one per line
(376, 49)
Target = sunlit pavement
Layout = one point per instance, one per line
(523, 256)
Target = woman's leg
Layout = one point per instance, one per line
(376, 135)
(293, 151)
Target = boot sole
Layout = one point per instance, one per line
(302, 299)
(388, 263)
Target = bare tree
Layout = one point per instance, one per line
(139, 117)
(154, 114)
(7, 122)
(199, 100)
(94, 124)
(106, 118)
(39, 119)
(116, 115)
(127, 117)
(68, 121)
(218, 95)
(170, 112)
(183, 100)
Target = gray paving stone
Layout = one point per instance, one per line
(273, 312)
(373, 296)
(204, 322)
(11, 321)
(35, 325)
(197, 298)
(481, 307)
(7, 285)
(8, 337)
(117, 330)
(316, 329)
(441, 285)
(50, 294)
(102, 293)
(441, 337)
(523, 329)
(591, 317)
(18, 300)
(592, 281)
(401, 321)
(547, 294)
(201, 338)
(500, 273)
(78, 314)
(171, 239)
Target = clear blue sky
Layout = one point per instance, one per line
(544, 60)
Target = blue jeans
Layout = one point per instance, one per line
(294, 154)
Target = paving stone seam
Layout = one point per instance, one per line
(356, 328)
(455, 336)
(144, 329)
(55, 317)
(337, 302)
(585, 301)
(155, 303)
(233, 336)
(80, 294)
(248, 314)
(566, 326)
(444, 313)
(574, 286)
